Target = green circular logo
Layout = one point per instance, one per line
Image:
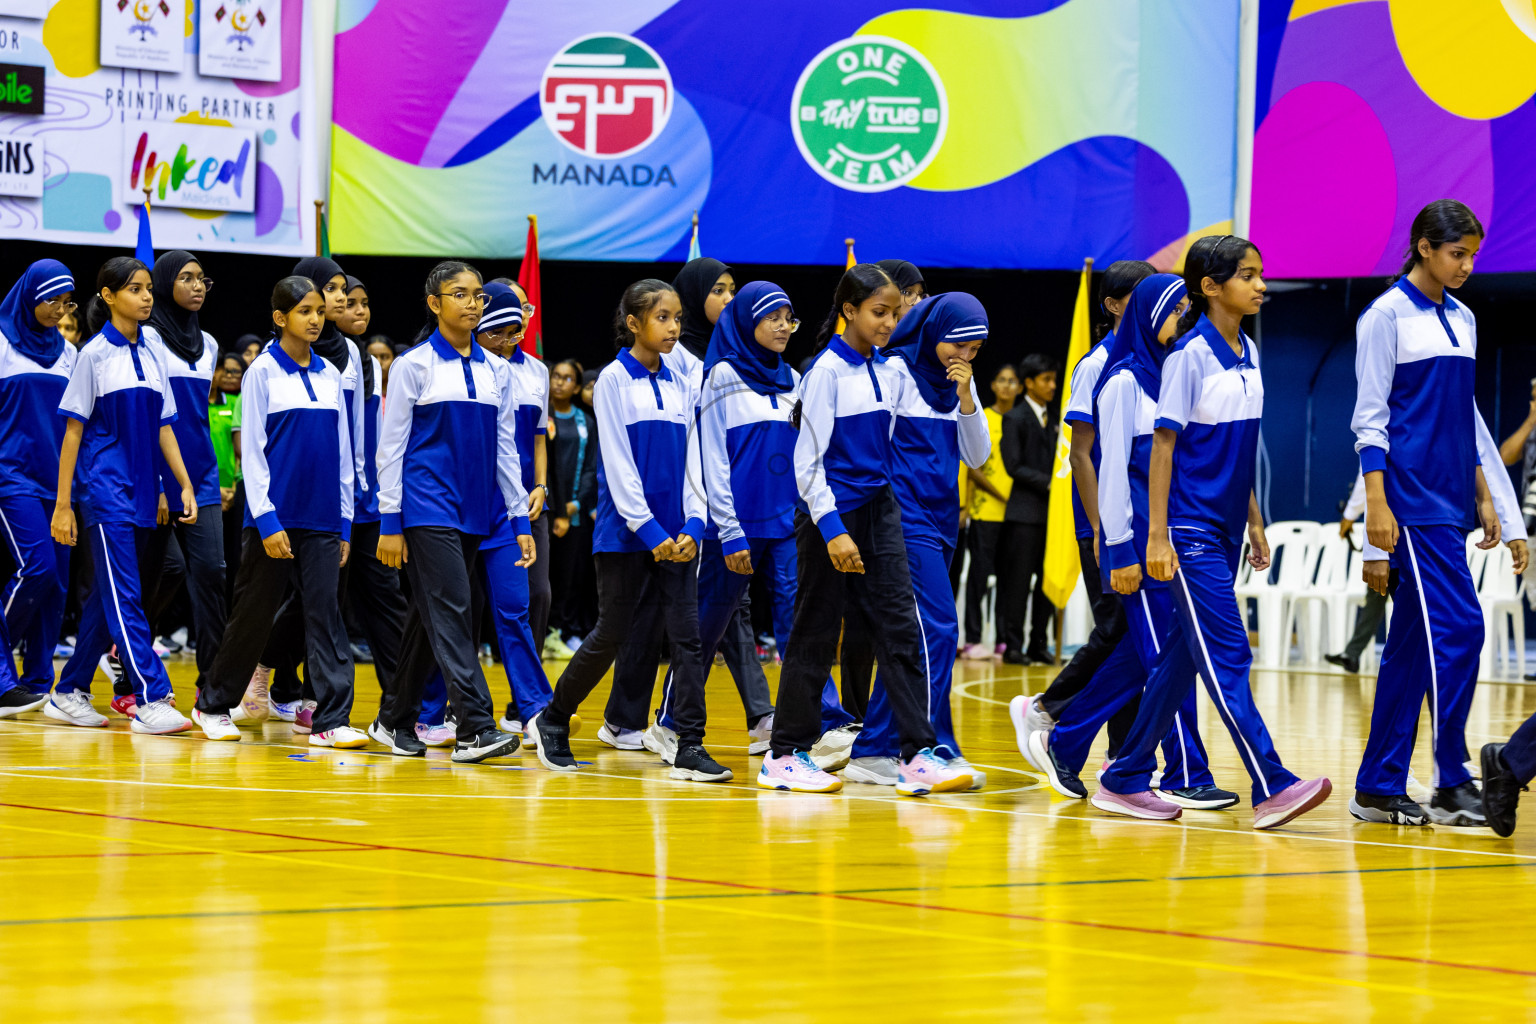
(869, 113)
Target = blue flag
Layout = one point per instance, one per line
(145, 250)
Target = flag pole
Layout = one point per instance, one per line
(319, 222)
(849, 243)
(1061, 613)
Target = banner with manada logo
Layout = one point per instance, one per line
(1014, 133)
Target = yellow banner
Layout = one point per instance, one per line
(1061, 562)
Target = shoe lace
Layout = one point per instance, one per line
(803, 761)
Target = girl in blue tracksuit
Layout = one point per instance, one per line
(1125, 406)
(1415, 428)
(294, 433)
(938, 423)
(35, 366)
(853, 556)
(647, 528)
(1199, 499)
(120, 409)
(449, 442)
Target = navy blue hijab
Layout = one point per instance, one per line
(1134, 346)
(954, 317)
(733, 342)
(45, 279)
(503, 310)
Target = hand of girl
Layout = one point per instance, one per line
(277, 545)
(536, 498)
(63, 526)
(162, 511)
(960, 372)
(1490, 521)
(1522, 556)
(560, 527)
(392, 551)
(740, 562)
(1381, 527)
(1162, 560)
(686, 548)
(845, 554)
(226, 495)
(1127, 580)
(346, 552)
(666, 551)
(1376, 575)
(1258, 547)
(530, 553)
(189, 505)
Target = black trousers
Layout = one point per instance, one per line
(201, 554)
(856, 661)
(882, 594)
(627, 582)
(1023, 564)
(985, 539)
(259, 590)
(1109, 629)
(570, 578)
(234, 525)
(441, 631)
(539, 595)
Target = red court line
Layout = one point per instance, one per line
(1134, 929)
(168, 853)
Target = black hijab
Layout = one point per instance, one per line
(363, 357)
(693, 283)
(177, 327)
(902, 273)
(332, 344)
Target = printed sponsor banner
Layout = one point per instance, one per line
(145, 34)
(240, 39)
(189, 165)
(21, 89)
(21, 165)
(24, 8)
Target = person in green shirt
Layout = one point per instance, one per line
(224, 425)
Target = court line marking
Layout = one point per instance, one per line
(1185, 963)
(761, 890)
(167, 853)
(197, 915)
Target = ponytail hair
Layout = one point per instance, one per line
(1119, 280)
(290, 291)
(114, 276)
(441, 274)
(858, 284)
(1442, 221)
(1215, 257)
(637, 301)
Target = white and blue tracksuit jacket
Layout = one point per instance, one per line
(747, 443)
(1127, 416)
(1085, 377)
(530, 385)
(926, 446)
(190, 383)
(31, 429)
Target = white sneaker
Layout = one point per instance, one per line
(443, 735)
(344, 737)
(1028, 720)
(658, 739)
(284, 711)
(830, 752)
(159, 719)
(74, 708)
(507, 724)
(621, 739)
(256, 705)
(876, 771)
(759, 735)
(978, 777)
(217, 727)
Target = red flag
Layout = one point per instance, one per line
(528, 281)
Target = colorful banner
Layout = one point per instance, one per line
(1008, 133)
(1369, 109)
(240, 196)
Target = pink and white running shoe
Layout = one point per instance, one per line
(928, 773)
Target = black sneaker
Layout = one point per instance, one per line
(693, 764)
(1387, 810)
(399, 741)
(1063, 779)
(18, 700)
(487, 745)
(1014, 657)
(1458, 805)
(553, 744)
(1199, 798)
(1501, 791)
(1345, 662)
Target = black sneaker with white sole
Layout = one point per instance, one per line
(487, 745)
(553, 744)
(1063, 779)
(1199, 798)
(399, 741)
(692, 763)
(1387, 810)
(18, 700)
(1501, 791)
(1460, 806)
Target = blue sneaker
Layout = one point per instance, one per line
(1199, 798)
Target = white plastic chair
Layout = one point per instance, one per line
(1500, 594)
(1344, 611)
(1291, 546)
(1312, 610)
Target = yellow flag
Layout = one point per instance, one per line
(841, 323)
(1061, 562)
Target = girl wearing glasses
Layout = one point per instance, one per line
(35, 364)
(189, 355)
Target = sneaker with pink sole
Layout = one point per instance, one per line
(1293, 801)
(976, 652)
(797, 773)
(1146, 804)
(343, 737)
(928, 773)
(436, 735)
(304, 721)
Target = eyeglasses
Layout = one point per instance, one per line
(792, 325)
(464, 298)
(528, 309)
(193, 282)
(60, 305)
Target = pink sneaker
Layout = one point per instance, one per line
(928, 773)
(1293, 801)
(123, 704)
(304, 721)
(1136, 805)
(436, 735)
(997, 652)
(797, 773)
(976, 652)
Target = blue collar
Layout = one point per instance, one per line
(1219, 347)
(845, 351)
(638, 371)
(115, 336)
(446, 351)
(287, 362)
(1418, 298)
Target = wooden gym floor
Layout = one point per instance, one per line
(169, 879)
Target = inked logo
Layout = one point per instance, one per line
(606, 95)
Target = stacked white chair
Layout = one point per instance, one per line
(1500, 594)
(1320, 608)
(1292, 545)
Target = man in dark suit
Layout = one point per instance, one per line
(1029, 455)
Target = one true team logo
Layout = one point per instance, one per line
(606, 95)
(869, 113)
